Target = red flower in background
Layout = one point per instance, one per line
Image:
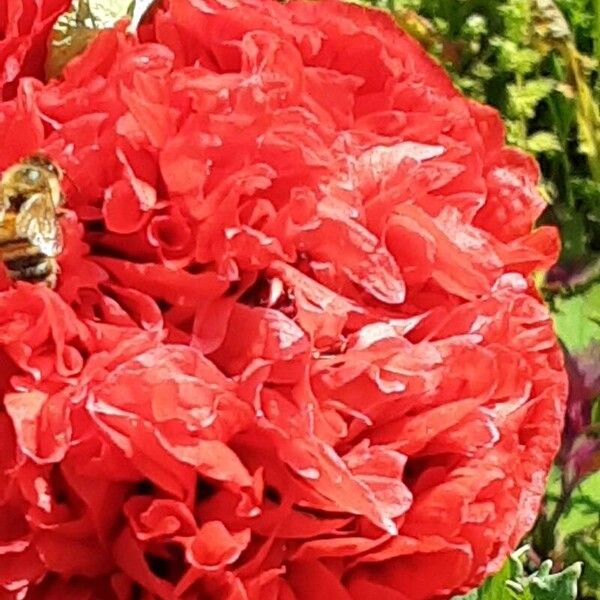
(24, 31)
(294, 351)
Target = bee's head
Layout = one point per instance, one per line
(33, 174)
(23, 179)
(43, 163)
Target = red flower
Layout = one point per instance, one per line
(295, 351)
(24, 31)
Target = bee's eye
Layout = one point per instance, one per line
(32, 175)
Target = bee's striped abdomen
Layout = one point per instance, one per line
(24, 262)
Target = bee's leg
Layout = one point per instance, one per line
(52, 278)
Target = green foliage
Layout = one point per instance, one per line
(586, 547)
(512, 582)
(583, 512)
(524, 98)
(569, 528)
(577, 318)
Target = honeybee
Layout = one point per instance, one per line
(30, 236)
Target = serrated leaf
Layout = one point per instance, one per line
(513, 58)
(543, 141)
(515, 561)
(517, 18)
(560, 586)
(523, 99)
(587, 549)
(512, 582)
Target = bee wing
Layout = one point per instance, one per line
(37, 222)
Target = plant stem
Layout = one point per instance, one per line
(596, 9)
(561, 504)
(588, 113)
(545, 544)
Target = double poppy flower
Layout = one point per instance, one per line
(295, 350)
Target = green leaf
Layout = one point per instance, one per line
(494, 588)
(513, 58)
(578, 531)
(577, 12)
(523, 99)
(574, 236)
(577, 318)
(517, 17)
(543, 141)
(587, 549)
(475, 27)
(583, 509)
(587, 190)
(560, 586)
(512, 582)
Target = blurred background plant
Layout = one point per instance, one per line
(538, 62)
